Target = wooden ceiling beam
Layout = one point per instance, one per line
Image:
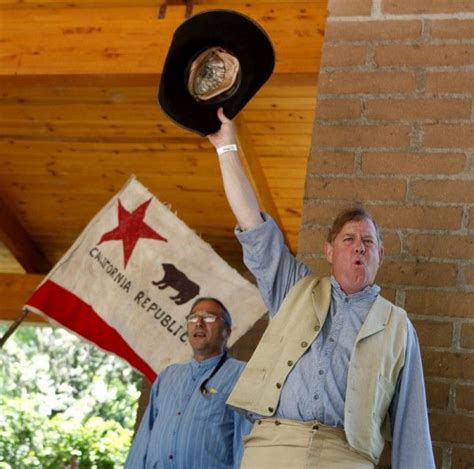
(15, 289)
(121, 40)
(19, 243)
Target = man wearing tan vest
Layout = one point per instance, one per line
(338, 371)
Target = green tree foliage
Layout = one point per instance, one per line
(63, 402)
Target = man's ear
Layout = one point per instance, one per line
(381, 253)
(328, 250)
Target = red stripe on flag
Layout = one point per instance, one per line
(70, 311)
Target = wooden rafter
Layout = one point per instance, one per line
(15, 289)
(19, 242)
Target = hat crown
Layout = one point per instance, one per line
(238, 36)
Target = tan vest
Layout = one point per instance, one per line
(375, 364)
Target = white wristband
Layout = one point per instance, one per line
(226, 148)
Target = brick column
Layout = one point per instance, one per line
(395, 129)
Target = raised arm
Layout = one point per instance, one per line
(239, 191)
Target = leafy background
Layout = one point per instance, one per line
(63, 402)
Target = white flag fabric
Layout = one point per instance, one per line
(129, 280)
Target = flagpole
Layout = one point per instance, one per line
(13, 327)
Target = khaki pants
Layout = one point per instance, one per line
(287, 444)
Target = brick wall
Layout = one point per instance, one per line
(395, 129)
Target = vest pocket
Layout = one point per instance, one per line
(383, 397)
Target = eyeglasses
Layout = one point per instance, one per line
(208, 318)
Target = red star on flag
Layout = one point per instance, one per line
(130, 229)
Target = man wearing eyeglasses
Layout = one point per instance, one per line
(187, 423)
(338, 371)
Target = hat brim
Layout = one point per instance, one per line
(237, 34)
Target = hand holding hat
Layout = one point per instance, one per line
(219, 58)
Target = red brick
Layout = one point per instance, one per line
(444, 191)
(366, 82)
(469, 275)
(355, 188)
(467, 336)
(437, 394)
(434, 333)
(448, 135)
(426, 6)
(440, 303)
(343, 56)
(471, 218)
(389, 293)
(311, 241)
(448, 364)
(392, 244)
(338, 109)
(413, 163)
(450, 82)
(442, 246)
(418, 109)
(371, 30)
(368, 136)
(419, 217)
(452, 428)
(326, 162)
(438, 455)
(424, 56)
(452, 29)
(321, 212)
(428, 274)
(465, 397)
(350, 7)
(320, 266)
(463, 458)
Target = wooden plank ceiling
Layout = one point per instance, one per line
(78, 116)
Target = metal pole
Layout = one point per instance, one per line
(13, 327)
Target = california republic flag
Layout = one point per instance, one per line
(129, 280)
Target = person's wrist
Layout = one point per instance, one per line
(221, 149)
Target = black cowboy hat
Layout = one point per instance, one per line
(237, 34)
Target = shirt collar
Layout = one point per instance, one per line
(368, 293)
(199, 368)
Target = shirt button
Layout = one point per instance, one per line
(179, 413)
(170, 456)
(316, 397)
(321, 372)
(304, 344)
(316, 328)
(278, 385)
(277, 423)
(315, 427)
(331, 339)
(270, 409)
(290, 363)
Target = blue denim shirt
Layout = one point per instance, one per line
(316, 387)
(182, 429)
